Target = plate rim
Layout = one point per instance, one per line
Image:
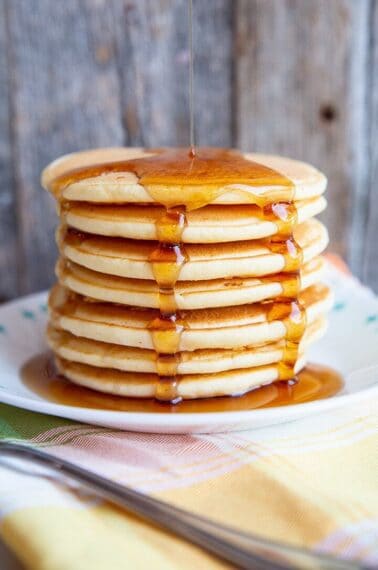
(178, 420)
(183, 417)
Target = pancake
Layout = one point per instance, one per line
(130, 258)
(210, 224)
(119, 187)
(116, 382)
(225, 327)
(185, 276)
(105, 355)
(188, 294)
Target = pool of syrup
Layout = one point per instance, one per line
(314, 382)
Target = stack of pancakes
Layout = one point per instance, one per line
(242, 266)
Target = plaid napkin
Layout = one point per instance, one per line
(311, 483)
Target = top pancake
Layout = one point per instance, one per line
(124, 187)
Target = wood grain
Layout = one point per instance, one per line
(8, 219)
(149, 36)
(369, 234)
(64, 97)
(101, 73)
(300, 88)
(213, 67)
(297, 77)
(152, 47)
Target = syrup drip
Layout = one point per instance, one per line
(182, 181)
(288, 307)
(167, 260)
(192, 151)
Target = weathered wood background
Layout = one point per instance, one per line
(297, 77)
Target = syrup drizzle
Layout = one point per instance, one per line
(192, 151)
(167, 260)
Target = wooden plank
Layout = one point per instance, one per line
(106, 73)
(149, 37)
(8, 222)
(153, 62)
(371, 231)
(65, 97)
(300, 91)
(213, 68)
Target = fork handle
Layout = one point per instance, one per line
(242, 550)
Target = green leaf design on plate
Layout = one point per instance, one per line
(339, 306)
(28, 314)
(2, 329)
(371, 319)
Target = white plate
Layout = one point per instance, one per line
(350, 346)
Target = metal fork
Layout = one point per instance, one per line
(240, 549)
